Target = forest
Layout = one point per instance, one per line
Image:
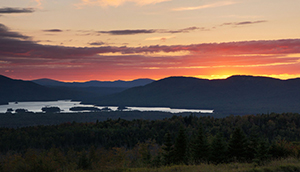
(126, 145)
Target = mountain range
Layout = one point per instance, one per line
(236, 95)
(19, 90)
(94, 83)
(47, 89)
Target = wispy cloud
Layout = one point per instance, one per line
(148, 31)
(128, 31)
(115, 3)
(213, 5)
(9, 44)
(175, 31)
(163, 39)
(39, 2)
(9, 10)
(53, 30)
(97, 43)
(244, 23)
(185, 30)
(242, 16)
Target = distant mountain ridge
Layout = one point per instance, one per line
(46, 89)
(95, 83)
(235, 95)
(19, 90)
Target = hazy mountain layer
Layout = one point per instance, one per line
(46, 89)
(18, 90)
(119, 83)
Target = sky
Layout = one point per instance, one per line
(107, 40)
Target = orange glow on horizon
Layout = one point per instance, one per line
(210, 77)
(279, 76)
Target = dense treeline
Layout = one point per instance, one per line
(136, 143)
(21, 120)
(124, 133)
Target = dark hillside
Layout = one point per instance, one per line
(18, 90)
(235, 95)
(48, 82)
(47, 89)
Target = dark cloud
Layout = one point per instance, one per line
(53, 30)
(244, 23)
(26, 55)
(148, 31)
(6, 33)
(30, 49)
(97, 43)
(11, 47)
(9, 10)
(251, 22)
(128, 32)
(185, 30)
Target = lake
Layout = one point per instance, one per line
(65, 105)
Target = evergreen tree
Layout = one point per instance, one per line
(252, 147)
(218, 149)
(262, 155)
(180, 147)
(279, 149)
(200, 147)
(237, 147)
(167, 149)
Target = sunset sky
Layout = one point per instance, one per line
(80, 40)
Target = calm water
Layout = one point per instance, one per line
(65, 105)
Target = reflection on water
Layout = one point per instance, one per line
(37, 106)
(165, 109)
(65, 105)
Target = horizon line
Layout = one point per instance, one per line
(208, 77)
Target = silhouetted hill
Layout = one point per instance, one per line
(88, 90)
(47, 89)
(18, 90)
(234, 95)
(94, 83)
(48, 82)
